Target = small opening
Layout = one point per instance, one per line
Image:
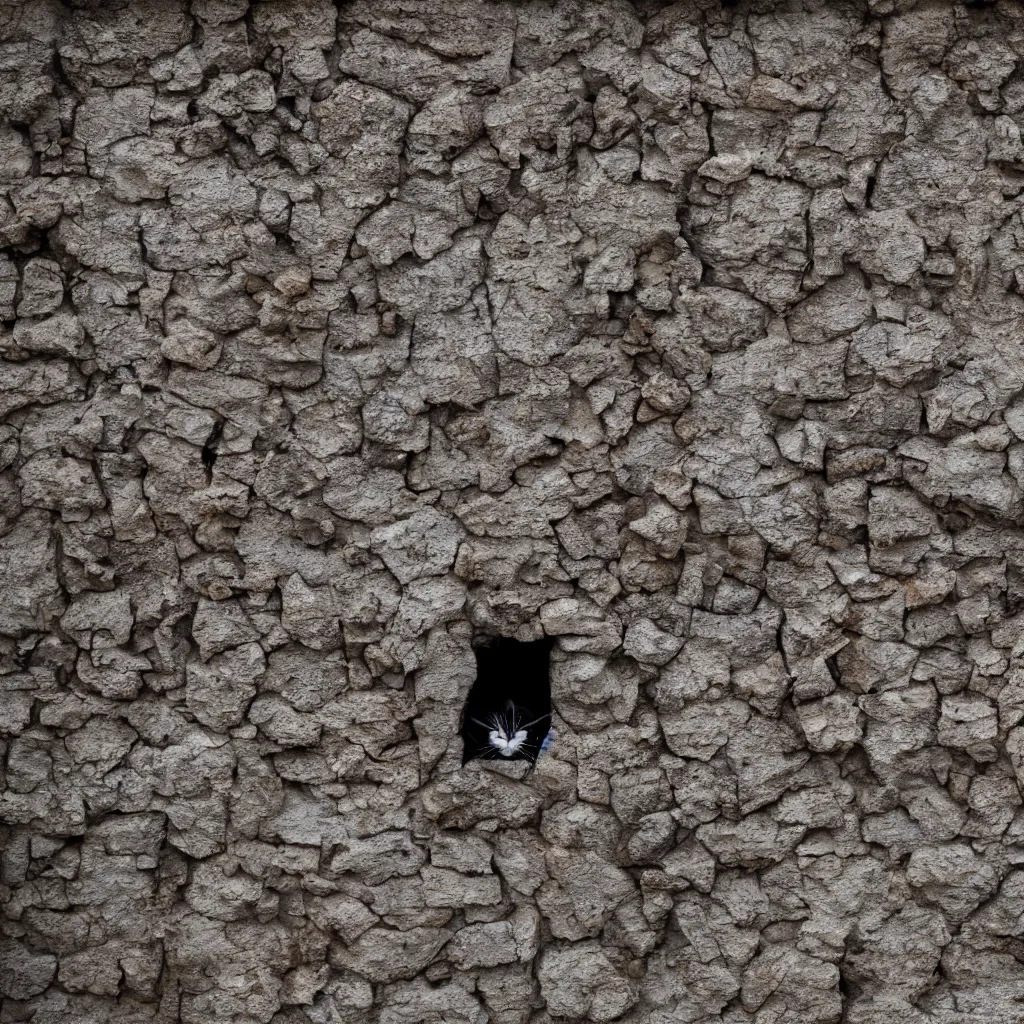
(209, 453)
(508, 712)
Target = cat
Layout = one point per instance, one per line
(508, 734)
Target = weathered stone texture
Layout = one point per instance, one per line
(336, 335)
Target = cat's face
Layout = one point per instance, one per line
(506, 745)
(508, 733)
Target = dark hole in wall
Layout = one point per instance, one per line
(512, 693)
(209, 453)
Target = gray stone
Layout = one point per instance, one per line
(335, 338)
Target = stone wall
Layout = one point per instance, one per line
(335, 337)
